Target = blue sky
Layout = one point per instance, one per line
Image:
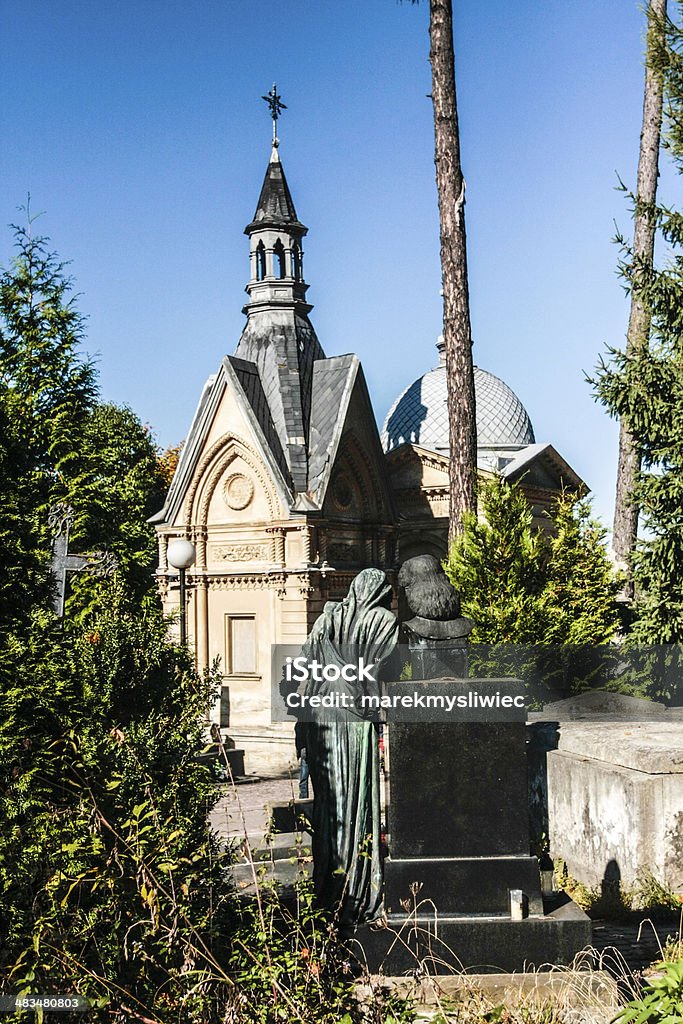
(137, 126)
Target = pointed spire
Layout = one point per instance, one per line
(275, 207)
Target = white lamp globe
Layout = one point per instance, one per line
(181, 554)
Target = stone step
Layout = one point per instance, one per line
(580, 996)
(234, 757)
(283, 872)
(290, 815)
(280, 846)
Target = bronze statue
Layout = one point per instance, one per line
(343, 754)
(433, 600)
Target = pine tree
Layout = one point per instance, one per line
(457, 330)
(638, 333)
(646, 387)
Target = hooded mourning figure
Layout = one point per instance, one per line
(343, 752)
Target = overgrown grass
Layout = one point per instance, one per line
(290, 965)
(617, 902)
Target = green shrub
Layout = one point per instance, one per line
(662, 999)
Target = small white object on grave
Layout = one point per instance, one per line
(516, 904)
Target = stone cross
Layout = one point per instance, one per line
(99, 563)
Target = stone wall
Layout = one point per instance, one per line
(615, 799)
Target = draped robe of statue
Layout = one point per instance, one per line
(343, 755)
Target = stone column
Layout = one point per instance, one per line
(202, 605)
(306, 543)
(279, 536)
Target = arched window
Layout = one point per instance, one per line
(280, 268)
(297, 260)
(260, 261)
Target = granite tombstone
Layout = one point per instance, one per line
(461, 886)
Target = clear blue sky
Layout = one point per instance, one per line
(138, 128)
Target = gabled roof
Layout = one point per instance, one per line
(275, 206)
(246, 388)
(545, 457)
(539, 464)
(341, 407)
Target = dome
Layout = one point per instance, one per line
(420, 415)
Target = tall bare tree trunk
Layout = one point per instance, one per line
(637, 335)
(456, 307)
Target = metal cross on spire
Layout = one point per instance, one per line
(276, 105)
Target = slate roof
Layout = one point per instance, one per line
(332, 383)
(248, 376)
(284, 354)
(275, 204)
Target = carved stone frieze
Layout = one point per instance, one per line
(246, 552)
(251, 582)
(344, 552)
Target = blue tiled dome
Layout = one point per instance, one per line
(420, 416)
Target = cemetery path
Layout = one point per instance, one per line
(249, 800)
(635, 946)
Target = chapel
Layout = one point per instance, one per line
(282, 485)
(287, 490)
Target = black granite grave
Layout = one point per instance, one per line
(462, 890)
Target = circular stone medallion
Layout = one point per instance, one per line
(343, 493)
(238, 491)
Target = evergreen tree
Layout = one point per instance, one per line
(47, 391)
(496, 566)
(580, 585)
(646, 388)
(49, 386)
(521, 585)
(23, 573)
(60, 445)
(121, 486)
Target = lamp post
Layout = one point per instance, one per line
(181, 555)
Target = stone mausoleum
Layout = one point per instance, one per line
(287, 489)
